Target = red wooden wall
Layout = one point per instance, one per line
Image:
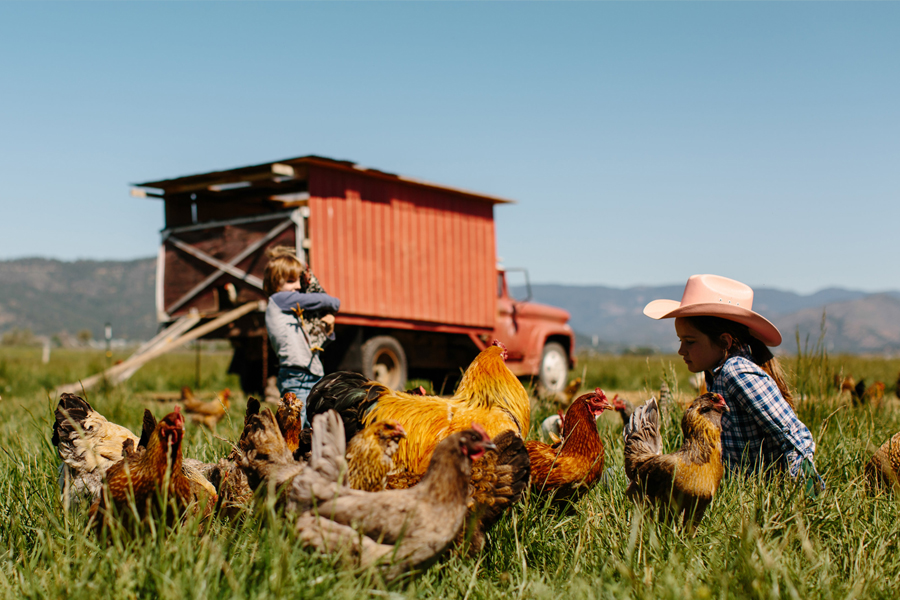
(393, 249)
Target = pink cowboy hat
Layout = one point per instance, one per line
(714, 296)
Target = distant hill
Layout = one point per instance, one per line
(857, 322)
(51, 296)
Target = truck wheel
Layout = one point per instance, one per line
(384, 360)
(554, 367)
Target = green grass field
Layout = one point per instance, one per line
(761, 538)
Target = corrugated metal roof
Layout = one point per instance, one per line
(278, 171)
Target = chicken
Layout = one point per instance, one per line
(228, 476)
(488, 394)
(624, 408)
(883, 470)
(395, 530)
(289, 419)
(498, 481)
(551, 427)
(206, 413)
(686, 480)
(369, 455)
(571, 467)
(89, 445)
(145, 472)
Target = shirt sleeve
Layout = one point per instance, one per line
(763, 401)
(287, 301)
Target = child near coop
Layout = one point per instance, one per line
(300, 322)
(724, 339)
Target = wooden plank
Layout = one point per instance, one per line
(120, 372)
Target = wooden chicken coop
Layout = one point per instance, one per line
(413, 263)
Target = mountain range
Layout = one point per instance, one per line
(52, 297)
(611, 318)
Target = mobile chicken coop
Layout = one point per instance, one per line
(414, 265)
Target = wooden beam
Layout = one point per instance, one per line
(231, 270)
(120, 372)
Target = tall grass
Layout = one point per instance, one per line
(761, 537)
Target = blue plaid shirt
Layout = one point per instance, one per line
(761, 427)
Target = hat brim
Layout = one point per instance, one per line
(759, 326)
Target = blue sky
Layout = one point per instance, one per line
(644, 142)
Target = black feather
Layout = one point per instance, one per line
(70, 408)
(349, 394)
(148, 425)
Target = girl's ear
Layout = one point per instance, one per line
(726, 340)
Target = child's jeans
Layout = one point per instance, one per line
(300, 381)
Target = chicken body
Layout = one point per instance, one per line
(88, 445)
(489, 394)
(206, 413)
(572, 466)
(144, 472)
(883, 470)
(398, 530)
(370, 455)
(685, 481)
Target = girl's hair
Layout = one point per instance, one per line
(714, 327)
(283, 266)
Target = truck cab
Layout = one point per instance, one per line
(538, 337)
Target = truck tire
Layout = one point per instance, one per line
(384, 360)
(554, 367)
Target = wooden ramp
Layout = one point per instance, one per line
(178, 333)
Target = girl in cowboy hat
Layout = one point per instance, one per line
(722, 337)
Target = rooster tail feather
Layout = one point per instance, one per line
(350, 394)
(329, 446)
(642, 438)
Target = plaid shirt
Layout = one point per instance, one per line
(761, 427)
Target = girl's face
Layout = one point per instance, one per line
(291, 285)
(699, 351)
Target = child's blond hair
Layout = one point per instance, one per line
(283, 266)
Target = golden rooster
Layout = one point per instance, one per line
(489, 394)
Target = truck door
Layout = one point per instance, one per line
(509, 327)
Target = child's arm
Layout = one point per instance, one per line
(288, 301)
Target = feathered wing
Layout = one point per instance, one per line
(642, 437)
(498, 481)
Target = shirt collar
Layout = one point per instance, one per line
(742, 351)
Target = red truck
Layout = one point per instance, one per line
(413, 263)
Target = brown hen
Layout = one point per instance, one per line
(883, 470)
(396, 530)
(570, 467)
(685, 481)
(147, 471)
